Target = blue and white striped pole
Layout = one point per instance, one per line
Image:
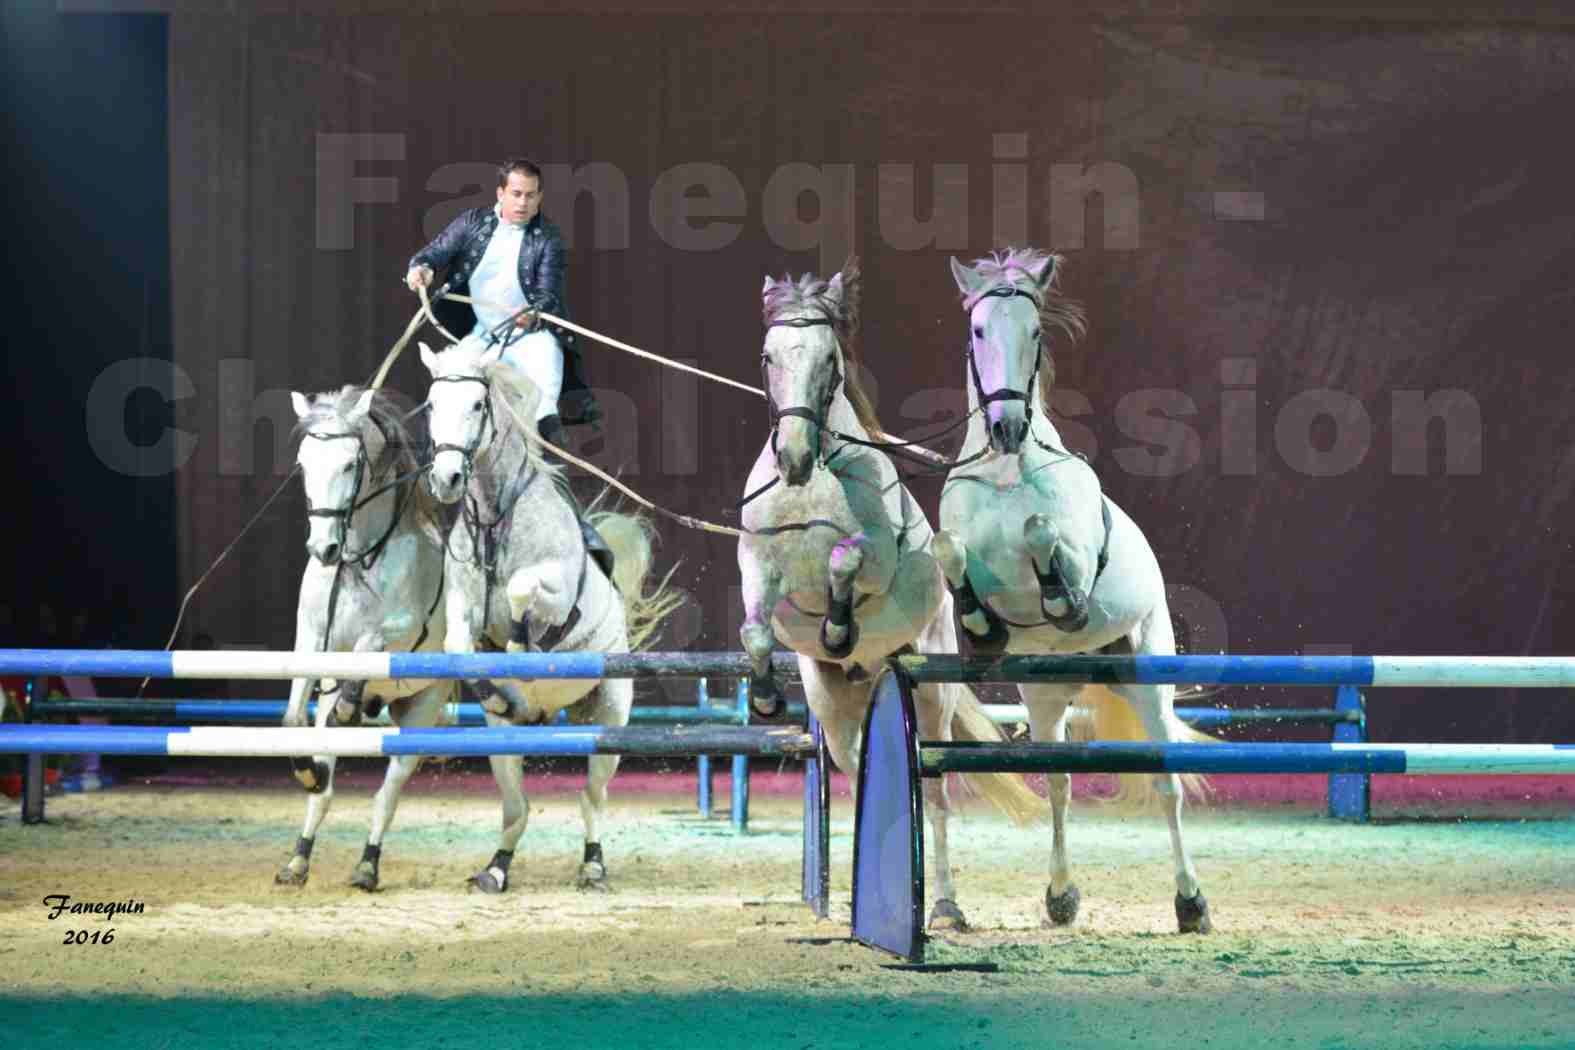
(1122, 757)
(1528, 672)
(273, 741)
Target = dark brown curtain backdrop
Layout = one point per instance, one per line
(1328, 278)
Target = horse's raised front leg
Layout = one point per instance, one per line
(839, 633)
(1061, 601)
(460, 638)
(762, 589)
(1047, 708)
(984, 629)
(540, 601)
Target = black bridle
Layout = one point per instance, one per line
(488, 422)
(1006, 393)
(815, 416)
(343, 514)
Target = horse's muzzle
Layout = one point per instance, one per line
(1007, 433)
(326, 554)
(795, 467)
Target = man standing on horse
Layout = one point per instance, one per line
(512, 258)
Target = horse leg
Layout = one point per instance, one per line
(1153, 705)
(762, 587)
(1065, 606)
(507, 770)
(839, 706)
(1047, 707)
(424, 709)
(839, 634)
(461, 638)
(615, 697)
(984, 629)
(1192, 908)
(298, 867)
(537, 599)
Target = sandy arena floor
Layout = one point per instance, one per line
(1405, 934)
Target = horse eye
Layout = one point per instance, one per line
(1036, 333)
(978, 332)
(347, 467)
(476, 407)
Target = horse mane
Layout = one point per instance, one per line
(1015, 267)
(811, 293)
(336, 406)
(520, 397)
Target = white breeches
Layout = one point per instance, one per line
(539, 357)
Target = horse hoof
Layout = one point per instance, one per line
(288, 876)
(947, 916)
(1192, 914)
(592, 879)
(1063, 906)
(364, 877)
(993, 641)
(491, 880)
(765, 699)
(1072, 622)
(843, 649)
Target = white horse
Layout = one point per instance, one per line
(1040, 560)
(526, 569)
(836, 556)
(372, 583)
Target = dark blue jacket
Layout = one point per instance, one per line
(542, 261)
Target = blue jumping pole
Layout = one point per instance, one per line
(1350, 794)
(703, 762)
(740, 778)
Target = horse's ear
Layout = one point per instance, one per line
(1044, 272)
(967, 281)
(491, 355)
(363, 404)
(765, 289)
(428, 358)
(302, 406)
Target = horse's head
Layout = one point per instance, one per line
(1006, 297)
(341, 449)
(461, 419)
(801, 363)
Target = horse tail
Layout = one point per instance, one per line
(633, 543)
(1008, 791)
(1103, 714)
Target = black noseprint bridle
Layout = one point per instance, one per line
(817, 417)
(363, 560)
(1005, 393)
(468, 452)
(343, 514)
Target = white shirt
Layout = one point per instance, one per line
(495, 284)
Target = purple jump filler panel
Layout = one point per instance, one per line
(888, 843)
